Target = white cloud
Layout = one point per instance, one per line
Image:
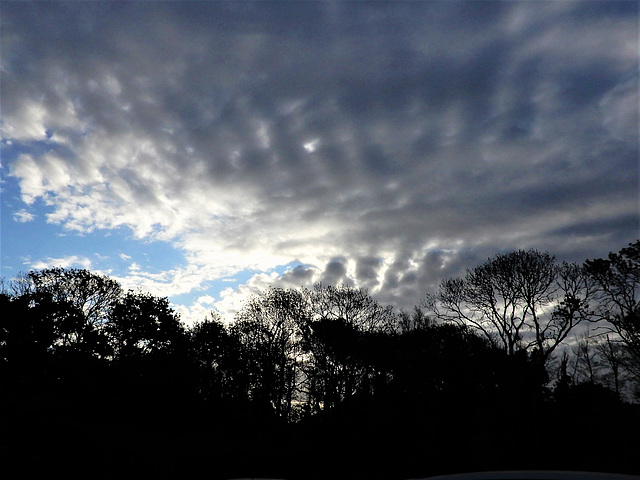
(619, 108)
(72, 261)
(196, 312)
(26, 123)
(31, 178)
(206, 299)
(232, 299)
(22, 216)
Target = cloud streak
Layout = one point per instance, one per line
(386, 144)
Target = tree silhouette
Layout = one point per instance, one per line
(353, 305)
(79, 303)
(332, 367)
(523, 300)
(585, 358)
(618, 296)
(324, 377)
(27, 336)
(416, 320)
(90, 293)
(141, 324)
(345, 323)
(216, 354)
(268, 327)
(612, 353)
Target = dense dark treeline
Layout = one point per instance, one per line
(326, 382)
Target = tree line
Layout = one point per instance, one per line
(492, 362)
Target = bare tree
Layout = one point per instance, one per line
(408, 322)
(612, 353)
(353, 305)
(523, 300)
(586, 358)
(17, 286)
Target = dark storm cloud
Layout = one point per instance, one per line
(335, 272)
(300, 275)
(368, 270)
(407, 137)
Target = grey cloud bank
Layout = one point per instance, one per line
(386, 144)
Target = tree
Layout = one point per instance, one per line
(333, 367)
(586, 361)
(27, 336)
(216, 354)
(353, 305)
(75, 303)
(417, 320)
(612, 354)
(91, 293)
(618, 296)
(344, 325)
(523, 300)
(268, 328)
(83, 301)
(141, 324)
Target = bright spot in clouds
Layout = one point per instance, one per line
(312, 145)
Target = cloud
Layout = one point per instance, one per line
(386, 144)
(22, 216)
(72, 261)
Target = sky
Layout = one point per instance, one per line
(202, 151)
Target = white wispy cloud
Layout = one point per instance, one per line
(72, 261)
(22, 216)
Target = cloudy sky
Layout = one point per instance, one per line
(203, 150)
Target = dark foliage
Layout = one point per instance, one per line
(618, 294)
(322, 383)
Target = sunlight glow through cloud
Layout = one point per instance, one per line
(376, 151)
